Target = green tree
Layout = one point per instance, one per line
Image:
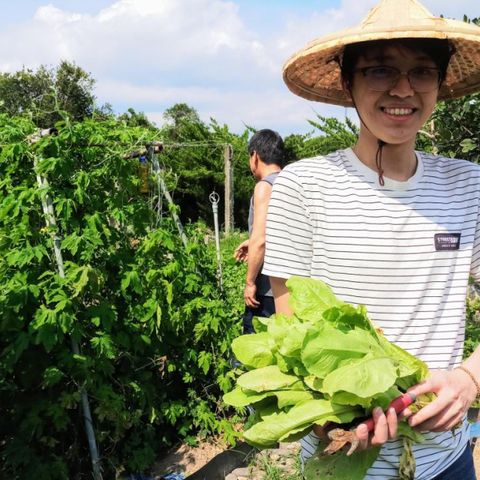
(132, 118)
(44, 93)
(335, 135)
(454, 130)
(180, 115)
(193, 158)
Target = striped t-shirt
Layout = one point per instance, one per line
(405, 250)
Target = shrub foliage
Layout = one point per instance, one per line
(153, 328)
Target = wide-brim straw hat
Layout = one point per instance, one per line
(313, 72)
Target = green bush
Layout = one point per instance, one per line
(153, 328)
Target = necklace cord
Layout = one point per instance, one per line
(378, 162)
(381, 144)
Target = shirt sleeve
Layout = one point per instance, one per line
(289, 229)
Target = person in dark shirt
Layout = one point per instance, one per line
(266, 158)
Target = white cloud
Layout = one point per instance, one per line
(51, 15)
(150, 54)
(131, 35)
(262, 108)
(301, 30)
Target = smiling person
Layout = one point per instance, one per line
(387, 226)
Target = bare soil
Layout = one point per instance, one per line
(186, 460)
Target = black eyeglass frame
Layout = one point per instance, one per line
(398, 73)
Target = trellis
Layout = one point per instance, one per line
(149, 154)
(228, 173)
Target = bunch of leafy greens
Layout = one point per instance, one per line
(325, 363)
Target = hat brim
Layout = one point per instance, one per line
(314, 73)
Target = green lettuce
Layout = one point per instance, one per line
(268, 432)
(325, 363)
(340, 466)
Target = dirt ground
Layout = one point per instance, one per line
(186, 460)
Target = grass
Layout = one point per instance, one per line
(275, 470)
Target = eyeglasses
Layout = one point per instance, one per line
(382, 78)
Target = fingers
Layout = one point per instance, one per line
(363, 436)
(407, 413)
(252, 302)
(438, 419)
(240, 255)
(384, 430)
(249, 294)
(452, 401)
(429, 416)
(426, 386)
(241, 252)
(392, 423)
(380, 434)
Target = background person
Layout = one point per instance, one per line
(266, 159)
(386, 226)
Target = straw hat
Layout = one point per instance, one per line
(313, 74)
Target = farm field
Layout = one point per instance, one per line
(106, 301)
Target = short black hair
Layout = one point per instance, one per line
(439, 50)
(269, 147)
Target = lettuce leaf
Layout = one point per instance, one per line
(364, 378)
(265, 379)
(326, 362)
(325, 348)
(339, 466)
(254, 350)
(309, 298)
(269, 431)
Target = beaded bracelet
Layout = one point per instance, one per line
(470, 374)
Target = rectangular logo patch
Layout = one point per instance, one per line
(447, 241)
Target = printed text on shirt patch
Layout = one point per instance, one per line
(447, 241)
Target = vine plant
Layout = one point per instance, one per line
(154, 330)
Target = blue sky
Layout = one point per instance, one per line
(222, 57)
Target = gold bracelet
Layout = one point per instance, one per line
(470, 374)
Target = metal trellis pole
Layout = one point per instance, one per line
(163, 191)
(214, 199)
(228, 171)
(87, 414)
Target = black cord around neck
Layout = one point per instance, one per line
(378, 162)
(381, 144)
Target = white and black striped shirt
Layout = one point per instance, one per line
(405, 250)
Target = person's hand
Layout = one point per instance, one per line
(385, 429)
(249, 295)
(386, 424)
(241, 252)
(455, 392)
